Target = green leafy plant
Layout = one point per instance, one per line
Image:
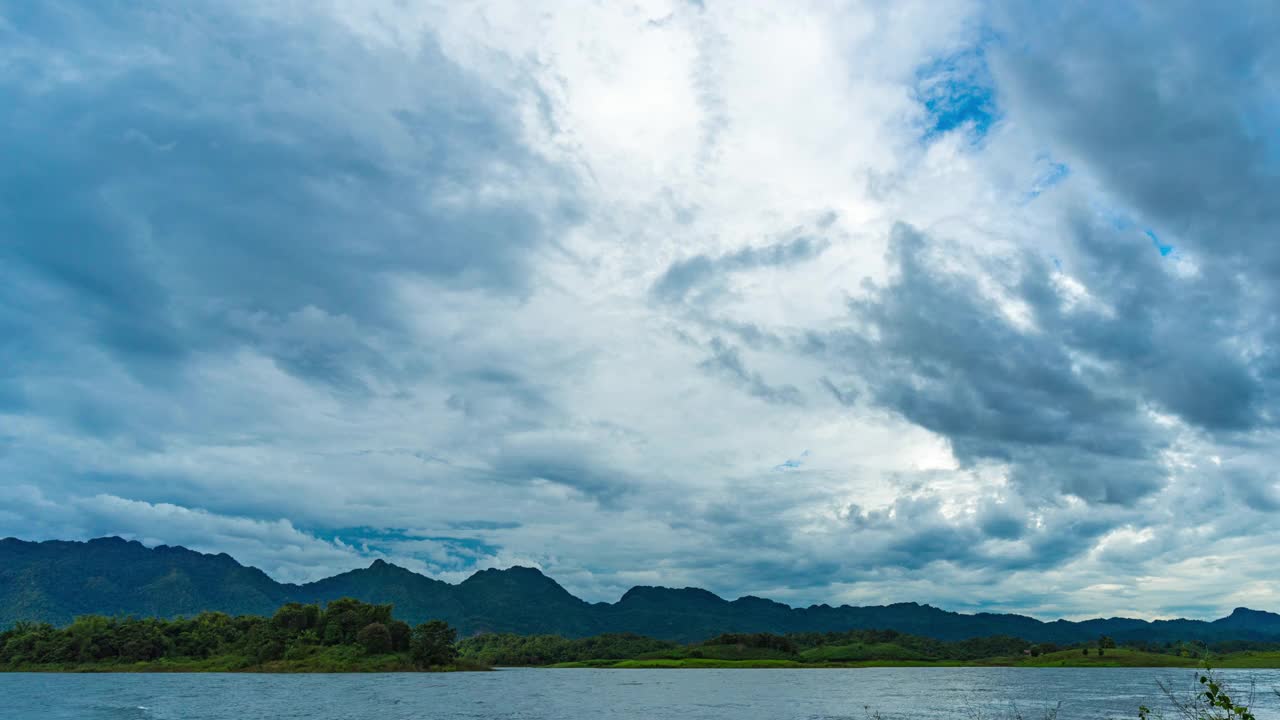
(1211, 700)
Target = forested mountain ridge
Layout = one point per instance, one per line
(55, 581)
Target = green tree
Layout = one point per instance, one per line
(400, 635)
(434, 643)
(91, 639)
(296, 617)
(263, 642)
(141, 640)
(1044, 649)
(375, 638)
(344, 617)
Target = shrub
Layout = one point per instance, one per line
(375, 638)
(433, 643)
(400, 635)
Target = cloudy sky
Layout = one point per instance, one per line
(965, 303)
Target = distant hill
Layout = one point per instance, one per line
(55, 581)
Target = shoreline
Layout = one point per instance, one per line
(782, 665)
(236, 666)
(278, 668)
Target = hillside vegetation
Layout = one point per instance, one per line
(55, 582)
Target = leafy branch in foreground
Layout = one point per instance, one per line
(1212, 699)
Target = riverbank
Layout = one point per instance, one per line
(1114, 658)
(399, 664)
(346, 660)
(330, 660)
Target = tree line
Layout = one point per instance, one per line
(347, 633)
(295, 632)
(508, 649)
(511, 650)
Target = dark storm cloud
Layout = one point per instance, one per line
(1069, 400)
(915, 532)
(940, 353)
(1066, 401)
(215, 179)
(847, 397)
(726, 361)
(559, 464)
(997, 520)
(1258, 489)
(685, 276)
(1177, 129)
(1179, 134)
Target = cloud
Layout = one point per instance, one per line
(727, 362)
(1166, 130)
(947, 357)
(293, 185)
(451, 286)
(684, 276)
(277, 547)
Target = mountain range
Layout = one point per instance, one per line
(55, 581)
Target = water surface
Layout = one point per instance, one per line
(917, 693)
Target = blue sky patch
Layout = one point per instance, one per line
(957, 93)
(462, 551)
(1054, 173)
(792, 463)
(1165, 250)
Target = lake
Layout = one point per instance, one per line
(530, 694)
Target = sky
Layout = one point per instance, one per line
(956, 302)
